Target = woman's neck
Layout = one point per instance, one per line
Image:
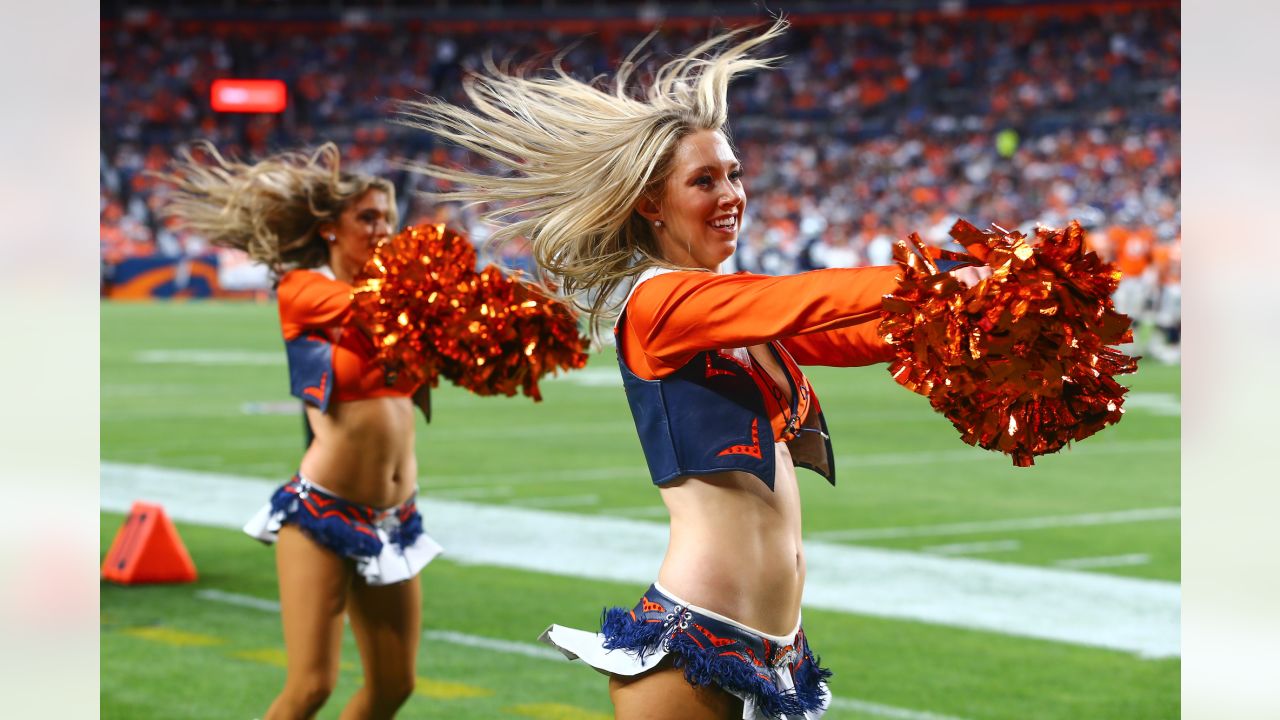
(341, 270)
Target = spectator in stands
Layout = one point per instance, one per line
(1063, 113)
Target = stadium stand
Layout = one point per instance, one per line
(879, 123)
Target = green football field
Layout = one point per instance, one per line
(191, 389)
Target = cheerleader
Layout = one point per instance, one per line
(637, 193)
(348, 536)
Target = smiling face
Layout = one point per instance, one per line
(359, 228)
(700, 210)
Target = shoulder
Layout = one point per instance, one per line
(309, 298)
(654, 284)
(297, 284)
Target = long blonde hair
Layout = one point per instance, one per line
(578, 156)
(271, 209)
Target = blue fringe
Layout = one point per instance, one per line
(807, 677)
(703, 666)
(331, 533)
(408, 532)
(622, 633)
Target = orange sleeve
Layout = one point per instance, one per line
(851, 346)
(310, 300)
(673, 316)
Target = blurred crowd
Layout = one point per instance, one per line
(875, 125)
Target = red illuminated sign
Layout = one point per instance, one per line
(248, 96)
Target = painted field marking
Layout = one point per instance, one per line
(637, 472)
(886, 711)
(972, 454)
(1098, 610)
(468, 493)
(274, 657)
(248, 601)
(554, 711)
(169, 636)
(529, 477)
(552, 501)
(273, 407)
(1154, 403)
(1117, 517)
(1105, 562)
(209, 357)
(640, 511)
(510, 647)
(444, 690)
(542, 652)
(973, 548)
(540, 430)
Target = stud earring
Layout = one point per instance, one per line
(331, 238)
(657, 223)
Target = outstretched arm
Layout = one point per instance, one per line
(673, 316)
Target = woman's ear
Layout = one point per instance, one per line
(648, 209)
(325, 229)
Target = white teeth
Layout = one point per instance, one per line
(725, 222)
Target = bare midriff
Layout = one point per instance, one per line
(364, 450)
(735, 546)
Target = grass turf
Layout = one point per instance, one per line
(202, 386)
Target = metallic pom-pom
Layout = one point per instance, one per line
(431, 313)
(1023, 362)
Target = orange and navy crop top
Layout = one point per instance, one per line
(330, 359)
(701, 404)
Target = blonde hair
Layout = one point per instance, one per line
(580, 155)
(270, 209)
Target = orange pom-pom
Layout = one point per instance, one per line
(1022, 362)
(431, 314)
(518, 334)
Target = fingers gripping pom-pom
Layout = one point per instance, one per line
(1022, 362)
(431, 314)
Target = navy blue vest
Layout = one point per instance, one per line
(311, 367)
(709, 416)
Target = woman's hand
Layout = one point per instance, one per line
(970, 275)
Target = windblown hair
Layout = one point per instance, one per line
(271, 209)
(576, 156)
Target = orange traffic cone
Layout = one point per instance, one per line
(147, 549)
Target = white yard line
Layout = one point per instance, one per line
(209, 357)
(1105, 562)
(1126, 614)
(1155, 403)
(973, 548)
(640, 511)
(1117, 517)
(512, 647)
(471, 493)
(886, 711)
(843, 462)
(973, 454)
(447, 482)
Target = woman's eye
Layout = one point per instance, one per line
(704, 180)
(735, 175)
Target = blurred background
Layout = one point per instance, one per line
(885, 119)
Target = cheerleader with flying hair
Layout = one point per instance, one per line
(347, 532)
(633, 190)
